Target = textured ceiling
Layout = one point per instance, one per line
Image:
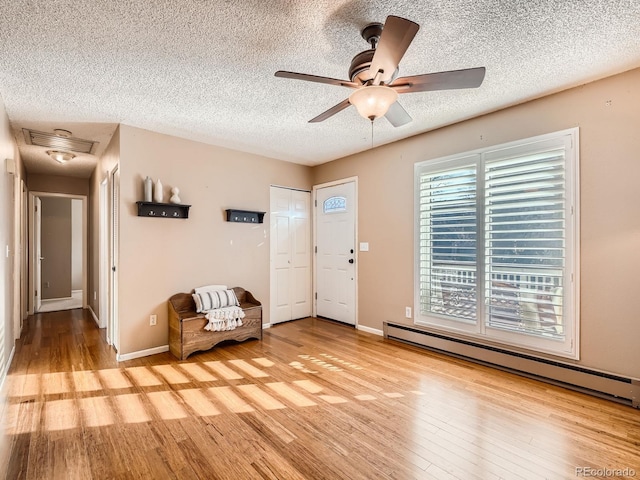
(204, 70)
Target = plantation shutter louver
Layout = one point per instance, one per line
(525, 252)
(448, 243)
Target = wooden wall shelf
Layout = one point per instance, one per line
(163, 210)
(244, 216)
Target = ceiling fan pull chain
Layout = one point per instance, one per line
(372, 133)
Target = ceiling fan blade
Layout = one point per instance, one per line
(331, 112)
(397, 115)
(397, 35)
(467, 78)
(316, 79)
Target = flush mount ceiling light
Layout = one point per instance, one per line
(373, 101)
(60, 156)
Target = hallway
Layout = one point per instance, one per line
(57, 304)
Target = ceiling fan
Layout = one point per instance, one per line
(374, 75)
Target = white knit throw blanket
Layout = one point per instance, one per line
(225, 318)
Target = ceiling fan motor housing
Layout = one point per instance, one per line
(359, 68)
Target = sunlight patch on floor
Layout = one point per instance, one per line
(365, 398)
(223, 371)
(199, 402)
(393, 394)
(53, 383)
(230, 399)
(333, 399)
(131, 408)
(264, 362)
(260, 397)
(289, 394)
(167, 406)
(170, 374)
(86, 381)
(248, 368)
(24, 385)
(198, 372)
(143, 377)
(169, 403)
(60, 415)
(96, 411)
(114, 379)
(308, 385)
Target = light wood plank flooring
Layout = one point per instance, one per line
(313, 400)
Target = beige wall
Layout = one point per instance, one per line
(109, 160)
(56, 247)
(163, 256)
(610, 209)
(58, 184)
(9, 238)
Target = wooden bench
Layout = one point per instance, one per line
(186, 327)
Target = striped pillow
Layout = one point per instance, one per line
(212, 299)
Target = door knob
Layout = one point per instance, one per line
(351, 260)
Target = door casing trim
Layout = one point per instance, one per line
(85, 230)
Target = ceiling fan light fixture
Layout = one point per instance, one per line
(60, 156)
(373, 101)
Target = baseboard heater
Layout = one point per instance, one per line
(605, 385)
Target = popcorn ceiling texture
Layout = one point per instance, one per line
(204, 70)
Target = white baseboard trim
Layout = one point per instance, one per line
(375, 331)
(266, 325)
(5, 372)
(142, 353)
(95, 317)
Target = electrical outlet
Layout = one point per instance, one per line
(95, 295)
(153, 320)
(407, 312)
(47, 284)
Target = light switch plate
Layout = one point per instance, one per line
(364, 246)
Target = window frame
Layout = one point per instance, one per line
(479, 330)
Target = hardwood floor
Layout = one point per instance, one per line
(313, 400)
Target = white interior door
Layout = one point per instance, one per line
(37, 239)
(336, 246)
(104, 257)
(290, 254)
(112, 325)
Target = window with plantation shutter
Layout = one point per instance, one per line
(497, 246)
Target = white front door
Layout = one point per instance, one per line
(336, 247)
(290, 254)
